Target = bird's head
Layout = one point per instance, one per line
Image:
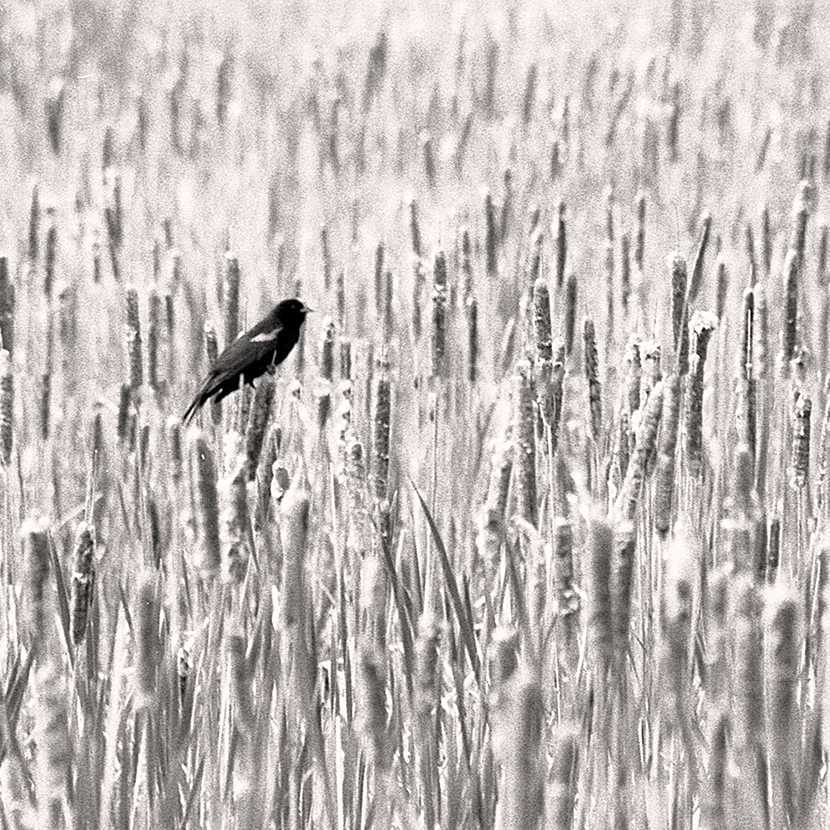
(291, 312)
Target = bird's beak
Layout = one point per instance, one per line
(307, 308)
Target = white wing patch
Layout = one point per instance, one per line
(266, 336)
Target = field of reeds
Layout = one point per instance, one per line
(530, 530)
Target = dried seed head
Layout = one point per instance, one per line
(147, 642)
(679, 310)
(561, 245)
(439, 318)
(427, 673)
(505, 657)
(789, 336)
(570, 313)
(36, 597)
(748, 661)
(525, 445)
(592, 374)
(597, 576)
(233, 500)
(372, 715)
(6, 407)
(472, 339)
(801, 442)
(258, 423)
(241, 677)
(781, 612)
(54, 746)
(231, 297)
(380, 435)
(294, 534)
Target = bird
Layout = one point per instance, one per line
(253, 353)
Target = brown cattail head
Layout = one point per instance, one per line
(801, 442)
(491, 236)
(789, 336)
(233, 502)
(7, 306)
(702, 325)
(439, 317)
(372, 717)
(680, 585)
(381, 426)
(83, 581)
(241, 678)
(782, 622)
(36, 600)
(427, 669)
(472, 339)
(294, 533)
(525, 445)
(207, 502)
(748, 660)
(561, 245)
(570, 313)
(147, 641)
(679, 311)
(6, 407)
(231, 297)
(592, 374)
(722, 280)
(134, 343)
(597, 576)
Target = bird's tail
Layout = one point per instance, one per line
(194, 407)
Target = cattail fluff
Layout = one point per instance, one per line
(702, 324)
(679, 311)
(801, 442)
(627, 501)
(525, 445)
(561, 245)
(6, 407)
(7, 306)
(597, 579)
(134, 343)
(147, 643)
(439, 317)
(665, 468)
(36, 599)
(83, 581)
(651, 356)
(591, 359)
(427, 669)
(294, 534)
(207, 503)
(570, 314)
(789, 336)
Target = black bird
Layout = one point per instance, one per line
(267, 344)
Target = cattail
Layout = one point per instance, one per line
(788, 338)
(561, 247)
(801, 213)
(379, 262)
(54, 747)
(679, 589)
(722, 280)
(6, 407)
(702, 324)
(83, 581)
(747, 655)
(592, 374)
(327, 350)
(439, 318)
(801, 442)
(557, 391)
(147, 642)
(570, 314)
(380, 435)
(525, 445)
(750, 253)
(233, 504)
(51, 256)
(53, 106)
(679, 313)
(294, 533)
(472, 339)
(260, 413)
(207, 502)
(517, 740)
(760, 318)
(700, 255)
(7, 305)
(428, 153)
(134, 343)
(372, 715)
(466, 262)
(231, 297)
(35, 600)
(629, 496)
(414, 229)
(241, 678)
(154, 324)
(345, 359)
(212, 353)
(597, 580)
(563, 777)
(665, 468)
(544, 347)
(491, 236)
(625, 272)
(34, 226)
(621, 576)
(781, 612)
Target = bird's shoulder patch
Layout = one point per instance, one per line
(265, 336)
